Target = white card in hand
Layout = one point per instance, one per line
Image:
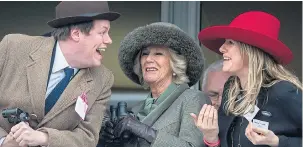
(250, 115)
(260, 124)
(81, 107)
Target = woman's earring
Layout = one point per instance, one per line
(174, 74)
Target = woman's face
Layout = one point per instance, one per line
(155, 65)
(233, 60)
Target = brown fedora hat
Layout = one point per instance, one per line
(71, 12)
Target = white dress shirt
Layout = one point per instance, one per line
(57, 73)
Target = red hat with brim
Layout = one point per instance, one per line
(255, 28)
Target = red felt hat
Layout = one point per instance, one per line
(255, 28)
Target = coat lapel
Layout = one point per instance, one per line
(37, 74)
(154, 115)
(224, 122)
(80, 83)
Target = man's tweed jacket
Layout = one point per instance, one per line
(24, 68)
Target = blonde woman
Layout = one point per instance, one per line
(262, 102)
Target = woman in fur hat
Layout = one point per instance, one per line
(262, 102)
(163, 58)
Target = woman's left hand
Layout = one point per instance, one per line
(259, 136)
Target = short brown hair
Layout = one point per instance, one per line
(62, 33)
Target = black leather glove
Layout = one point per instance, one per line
(107, 135)
(137, 128)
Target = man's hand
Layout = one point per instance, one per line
(26, 136)
(207, 122)
(9, 141)
(260, 136)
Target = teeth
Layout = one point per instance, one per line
(101, 50)
(151, 69)
(226, 58)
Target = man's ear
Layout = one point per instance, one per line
(75, 34)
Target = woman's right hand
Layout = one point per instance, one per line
(207, 122)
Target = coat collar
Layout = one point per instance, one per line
(156, 113)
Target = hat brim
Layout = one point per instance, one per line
(161, 34)
(111, 16)
(214, 37)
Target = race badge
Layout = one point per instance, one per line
(81, 105)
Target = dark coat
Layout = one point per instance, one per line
(284, 102)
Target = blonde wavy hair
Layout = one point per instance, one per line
(263, 71)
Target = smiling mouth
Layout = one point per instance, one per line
(226, 58)
(151, 69)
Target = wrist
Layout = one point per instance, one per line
(44, 139)
(275, 141)
(212, 144)
(211, 139)
(151, 135)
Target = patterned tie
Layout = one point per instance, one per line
(57, 91)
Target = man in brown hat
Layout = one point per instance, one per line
(59, 81)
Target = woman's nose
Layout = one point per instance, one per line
(222, 48)
(149, 58)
